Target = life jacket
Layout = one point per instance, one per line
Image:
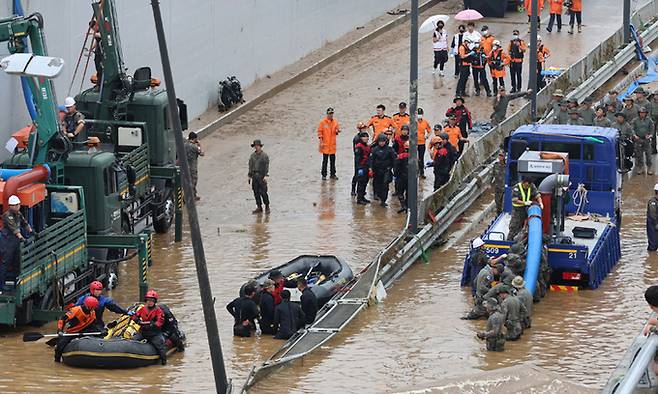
(497, 59)
(479, 60)
(516, 53)
(365, 155)
(525, 195)
(77, 318)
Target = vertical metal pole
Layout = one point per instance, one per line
(207, 299)
(627, 21)
(143, 255)
(532, 84)
(412, 186)
(178, 215)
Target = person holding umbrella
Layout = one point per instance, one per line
(440, 44)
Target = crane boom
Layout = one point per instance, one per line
(48, 144)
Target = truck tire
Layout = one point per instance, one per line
(166, 213)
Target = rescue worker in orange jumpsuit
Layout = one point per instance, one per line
(424, 131)
(380, 122)
(528, 6)
(498, 60)
(401, 118)
(516, 51)
(542, 54)
(328, 129)
(465, 54)
(151, 319)
(576, 14)
(556, 13)
(455, 135)
(78, 320)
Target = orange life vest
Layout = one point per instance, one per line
(78, 319)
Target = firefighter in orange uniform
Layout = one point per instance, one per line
(556, 13)
(401, 118)
(498, 60)
(576, 13)
(454, 134)
(424, 131)
(542, 54)
(80, 319)
(328, 129)
(380, 122)
(528, 6)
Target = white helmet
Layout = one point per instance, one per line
(477, 242)
(69, 102)
(655, 188)
(14, 200)
(538, 38)
(496, 42)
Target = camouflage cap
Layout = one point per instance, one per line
(518, 282)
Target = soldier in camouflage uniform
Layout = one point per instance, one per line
(499, 181)
(601, 120)
(643, 129)
(494, 332)
(14, 226)
(526, 299)
(629, 109)
(554, 104)
(484, 280)
(193, 151)
(515, 263)
(514, 311)
(561, 116)
(574, 118)
(523, 194)
(586, 112)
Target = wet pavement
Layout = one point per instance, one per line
(415, 337)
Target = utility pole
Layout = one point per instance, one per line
(412, 185)
(533, 59)
(207, 299)
(627, 21)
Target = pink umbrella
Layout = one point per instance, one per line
(468, 15)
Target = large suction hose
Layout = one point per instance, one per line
(533, 260)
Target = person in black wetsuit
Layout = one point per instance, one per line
(266, 305)
(308, 300)
(288, 317)
(245, 312)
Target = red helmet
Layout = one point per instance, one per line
(91, 303)
(151, 294)
(95, 285)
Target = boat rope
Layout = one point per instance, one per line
(580, 198)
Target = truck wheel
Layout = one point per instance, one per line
(166, 214)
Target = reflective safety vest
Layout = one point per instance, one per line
(525, 195)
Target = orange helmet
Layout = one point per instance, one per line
(361, 126)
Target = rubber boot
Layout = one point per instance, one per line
(257, 210)
(570, 29)
(580, 29)
(267, 209)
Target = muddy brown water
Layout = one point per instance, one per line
(415, 337)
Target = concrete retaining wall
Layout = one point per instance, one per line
(208, 40)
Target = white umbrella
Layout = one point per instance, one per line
(430, 23)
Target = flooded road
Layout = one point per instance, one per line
(415, 337)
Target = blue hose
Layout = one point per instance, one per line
(6, 173)
(27, 93)
(533, 260)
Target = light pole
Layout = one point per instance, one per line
(533, 59)
(412, 185)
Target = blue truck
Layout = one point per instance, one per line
(578, 171)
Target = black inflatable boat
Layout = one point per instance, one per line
(122, 347)
(113, 353)
(325, 274)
